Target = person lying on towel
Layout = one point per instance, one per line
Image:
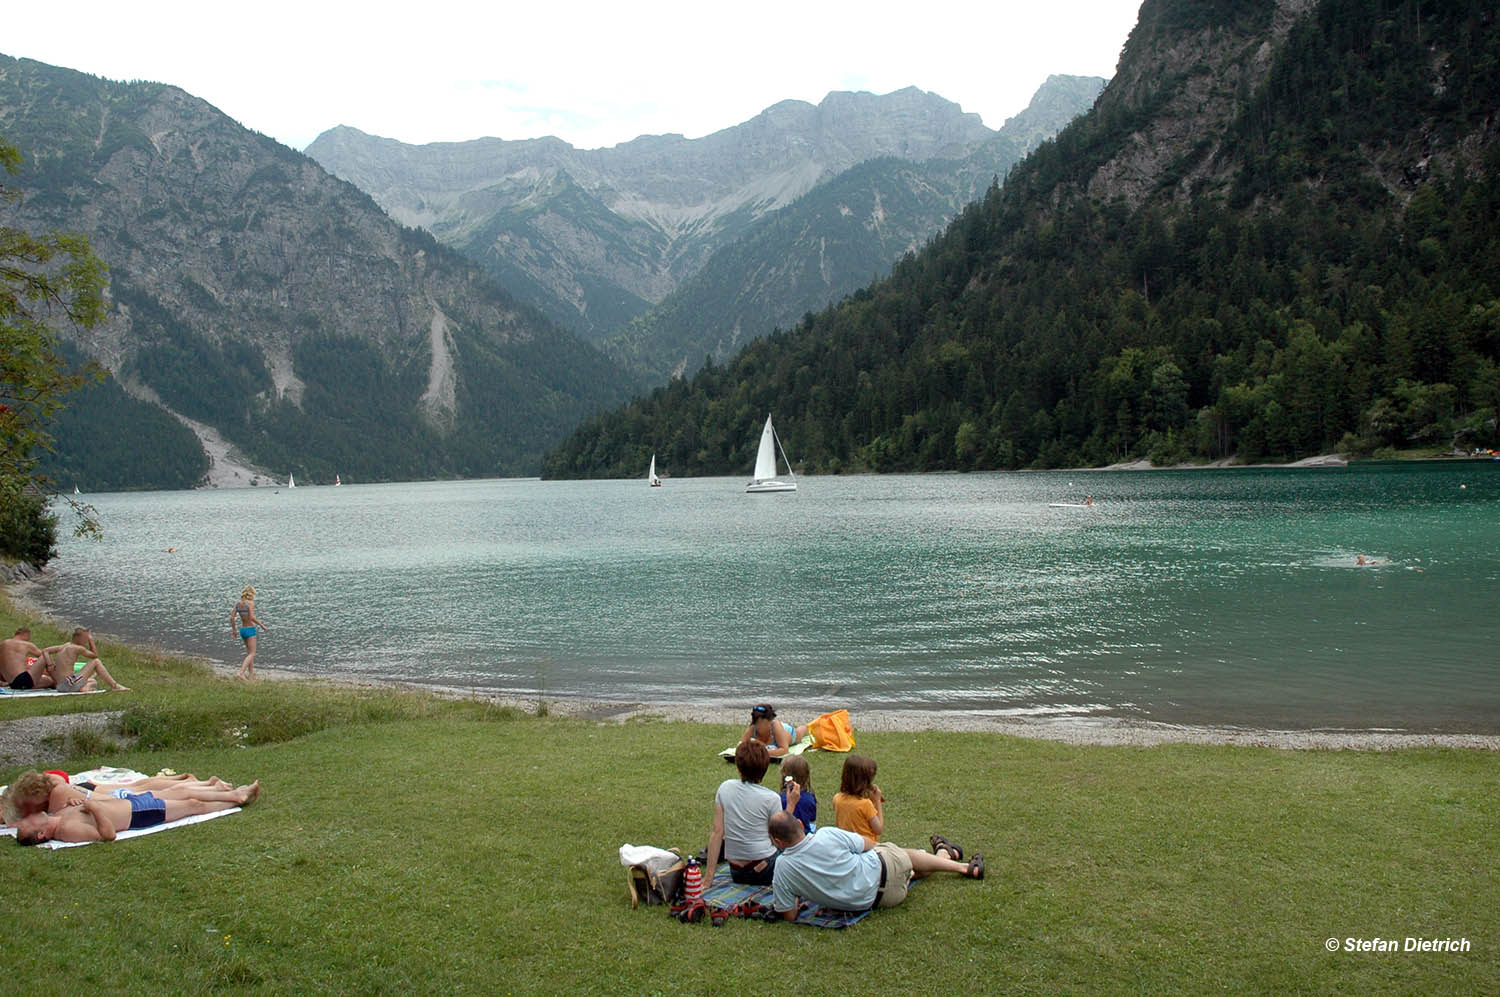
(103, 818)
(38, 792)
(776, 736)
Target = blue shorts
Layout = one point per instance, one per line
(145, 809)
(247, 632)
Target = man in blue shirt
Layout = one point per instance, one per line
(836, 868)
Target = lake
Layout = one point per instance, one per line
(1223, 597)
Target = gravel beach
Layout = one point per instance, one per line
(1104, 731)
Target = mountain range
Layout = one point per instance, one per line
(833, 240)
(271, 319)
(267, 315)
(1275, 234)
(595, 238)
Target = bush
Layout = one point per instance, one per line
(28, 532)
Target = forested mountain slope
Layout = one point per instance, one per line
(273, 305)
(836, 238)
(1277, 233)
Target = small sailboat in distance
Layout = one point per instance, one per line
(765, 479)
(337, 481)
(651, 474)
(291, 482)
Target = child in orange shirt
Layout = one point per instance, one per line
(859, 806)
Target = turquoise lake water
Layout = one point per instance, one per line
(1194, 597)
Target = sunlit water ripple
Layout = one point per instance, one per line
(1222, 597)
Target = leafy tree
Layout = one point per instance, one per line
(44, 279)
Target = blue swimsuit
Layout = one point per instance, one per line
(245, 632)
(145, 809)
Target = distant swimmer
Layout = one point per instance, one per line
(1365, 562)
(1089, 501)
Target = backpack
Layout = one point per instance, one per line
(832, 731)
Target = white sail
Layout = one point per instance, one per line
(765, 457)
(651, 475)
(765, 479)
(291, 482)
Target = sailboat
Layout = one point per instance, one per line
(291, 482)
(337, 481)
(765, 479)
(651, 474)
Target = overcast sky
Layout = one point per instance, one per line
(593, 74)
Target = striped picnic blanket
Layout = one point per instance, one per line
(725, 893)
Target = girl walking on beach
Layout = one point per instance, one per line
(859, 805)
(249, 627)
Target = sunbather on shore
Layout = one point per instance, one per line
(103, 818)
(777, 736)
(41, 792)
(21, 665)
(60, 658)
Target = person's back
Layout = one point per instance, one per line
(829, 867)
(14, 652)
(747, 808)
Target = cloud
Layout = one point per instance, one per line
(595, 74)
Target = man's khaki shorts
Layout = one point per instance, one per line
(897, 872)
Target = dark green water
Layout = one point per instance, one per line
(1200, 597)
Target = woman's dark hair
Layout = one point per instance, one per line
(762, 712)
(752, 761)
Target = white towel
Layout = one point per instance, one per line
(656, 858)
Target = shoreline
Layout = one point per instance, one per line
(1098, 731)
(1095, 731)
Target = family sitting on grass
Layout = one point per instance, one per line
(44, 806)
(772, 839)
(23, 665)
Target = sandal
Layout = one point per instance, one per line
(940, 843)
(976, 866)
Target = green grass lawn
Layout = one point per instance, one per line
(409, 843)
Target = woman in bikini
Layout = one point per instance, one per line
(776, 736)
(248, 628)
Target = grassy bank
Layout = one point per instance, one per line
(410, 843)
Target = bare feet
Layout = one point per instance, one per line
(251, 793)
(121, 688)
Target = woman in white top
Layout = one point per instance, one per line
(742, 810)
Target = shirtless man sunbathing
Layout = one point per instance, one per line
(21, 664)
(59, 660)
(42, 792)
(103, 818)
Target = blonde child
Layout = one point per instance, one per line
(249, 630)
(859, 805)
